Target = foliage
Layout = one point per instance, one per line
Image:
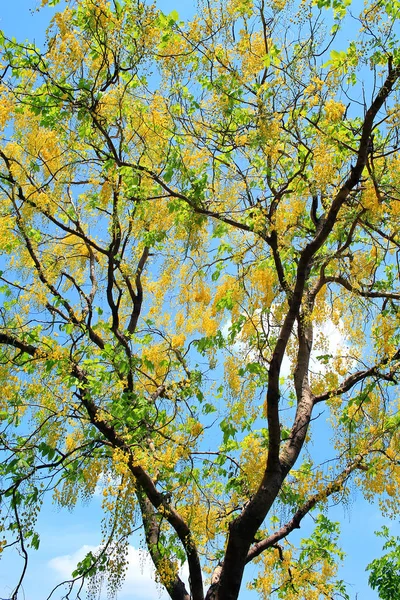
(385, 571)
(190, 213)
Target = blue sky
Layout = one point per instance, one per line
(64, 534)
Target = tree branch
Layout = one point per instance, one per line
(355, 378)
(151, 522)
(10, 340)
(299, 515)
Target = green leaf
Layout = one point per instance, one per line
(174, 16)
(35, 541)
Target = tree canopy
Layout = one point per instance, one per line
(385, 571)
(191, 212)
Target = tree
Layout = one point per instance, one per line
(385, 571)
(186, 209)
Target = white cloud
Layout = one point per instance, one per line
(334, 343)
(140, 578)
(64, 565)
(329, 341)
